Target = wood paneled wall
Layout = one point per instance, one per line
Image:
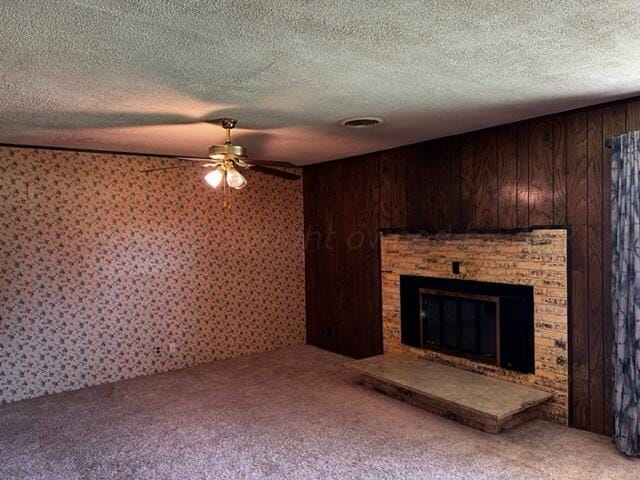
(553, 170)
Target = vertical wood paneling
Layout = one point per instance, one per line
(425, 187)
(468, 206)
(333, 225)
(486, 179)
(338, 193)
(540, 172)
(348, 324)
(325, 274)
(443, 182)
(613, 123)
(368, 265)
(412, 181)
(577, 216)
(454, 149)
(507, 177)
(552, 170)
(348, 327)
(559, 170)
(393, 193)
(594, 241)
(430, 217)
(633, 116)
(522, 187)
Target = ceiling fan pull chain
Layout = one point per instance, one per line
(226, 194)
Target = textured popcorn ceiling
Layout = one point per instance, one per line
(102, 74)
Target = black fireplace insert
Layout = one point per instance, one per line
(485, 321)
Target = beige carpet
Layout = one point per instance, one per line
(291, 414)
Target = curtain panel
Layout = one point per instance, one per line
(625, 286)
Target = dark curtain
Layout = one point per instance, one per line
(625, 286)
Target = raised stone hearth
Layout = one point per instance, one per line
(479, 401)
(537, 258)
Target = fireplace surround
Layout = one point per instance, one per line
(536, 259)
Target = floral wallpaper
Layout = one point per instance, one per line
(107, 273)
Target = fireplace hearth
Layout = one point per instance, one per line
(485, 321)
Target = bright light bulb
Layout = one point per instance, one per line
(235, 179)
(214, 177)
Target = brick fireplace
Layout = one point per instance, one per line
(536, 259)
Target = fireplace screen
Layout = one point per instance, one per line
(461, 323)
(487, 322)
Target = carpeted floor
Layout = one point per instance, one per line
(291, 414)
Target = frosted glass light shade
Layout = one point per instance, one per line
(214, 178)
(235, 179)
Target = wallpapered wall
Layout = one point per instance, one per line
(101, 265)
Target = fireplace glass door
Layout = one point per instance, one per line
(460, 323)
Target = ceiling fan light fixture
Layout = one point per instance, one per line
(235, 179)
(214, 177)
(226, 159)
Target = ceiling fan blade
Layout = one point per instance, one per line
(170, 168)
(195, 159)
(274, 172)
(271, 163)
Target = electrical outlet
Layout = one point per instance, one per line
(173, 348)
(157, 350)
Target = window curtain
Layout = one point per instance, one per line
(625, 289)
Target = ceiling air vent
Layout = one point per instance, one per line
(361, 122)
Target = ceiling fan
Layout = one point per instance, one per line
(227, 159)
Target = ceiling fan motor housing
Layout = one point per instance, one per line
(227, 150)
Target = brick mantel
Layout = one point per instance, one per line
(537, 258)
